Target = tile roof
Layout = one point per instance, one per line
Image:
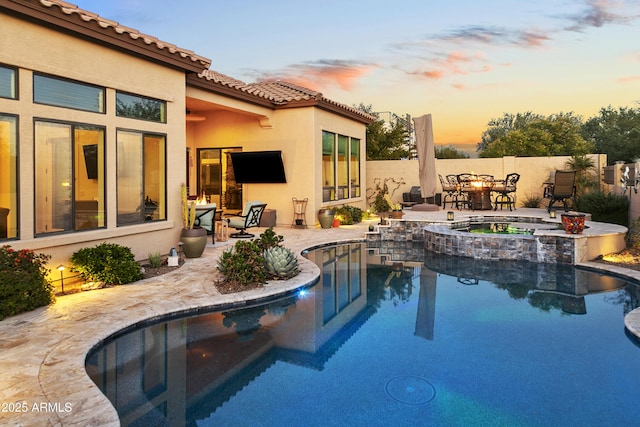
(91, 23)
(280, 93)
(275, 94)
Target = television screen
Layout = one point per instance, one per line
(91, 160)
(258, 167)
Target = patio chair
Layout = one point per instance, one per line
(561, 189)
(505, 192)
(249, 218)
(450, 189)
(411, 197)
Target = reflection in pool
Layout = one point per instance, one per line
(440, 341)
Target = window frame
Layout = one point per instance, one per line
(16, 135)
(163, 110)
(73, 153)
(102, 102)
(332, 189)
(16, 82)
(163, 193)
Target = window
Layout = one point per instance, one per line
(340, 167)
(67, 93)
(141, 177)
(8, 82)
(69, 177)
(138, 107)
(8, 177)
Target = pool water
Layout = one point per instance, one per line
(381, 342)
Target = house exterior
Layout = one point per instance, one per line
(101, 124)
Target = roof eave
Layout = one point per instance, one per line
(224, 90)
(54, 17)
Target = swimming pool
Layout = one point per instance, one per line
(386, 342)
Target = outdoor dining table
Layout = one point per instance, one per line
(477, 192)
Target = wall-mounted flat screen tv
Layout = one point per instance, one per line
(258, 167)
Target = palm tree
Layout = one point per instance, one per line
(586, 173)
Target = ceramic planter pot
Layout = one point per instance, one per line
(325, 217)
(397, 214)
(193, 241)
(573, 223)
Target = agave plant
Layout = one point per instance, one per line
(281, 262)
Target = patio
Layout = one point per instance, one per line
(42, 353)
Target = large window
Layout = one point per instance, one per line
(340, 167)
(69, 177)
(8, 82)
(66, 93)
(138, 107)
(141, 177)
(8, 177)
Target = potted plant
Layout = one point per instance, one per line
(396, 208)
(194, 239)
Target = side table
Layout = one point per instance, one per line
(222, 231)
(299, 213)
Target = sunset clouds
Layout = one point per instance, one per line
(322, 73)
(466, 59)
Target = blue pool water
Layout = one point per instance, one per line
(381, 342)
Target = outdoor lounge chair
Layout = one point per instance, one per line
(412, 197)
(562, 189)
(250, 217)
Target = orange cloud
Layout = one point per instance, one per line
(628, 79)
(454, 63)
(318, 74)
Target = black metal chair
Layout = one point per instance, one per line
(562, 189)
(505, 192)
(450, 191)
(250, 217)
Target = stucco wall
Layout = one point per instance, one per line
(33, 48)
(534, 171)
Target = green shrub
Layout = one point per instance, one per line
(531, 201)
(268, 239)
(155, 259)
(23, 281)
(109, 263)
(243, 264)
(349, 214)
(605, 207)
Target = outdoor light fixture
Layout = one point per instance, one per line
(552, 214)
(172, 259)
(450, 216)
(61, 269)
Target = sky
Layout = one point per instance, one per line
(464, 62)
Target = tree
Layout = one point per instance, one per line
(586, 173)
(531, 134)
(386, 141)
(615, 133)
(449, 152)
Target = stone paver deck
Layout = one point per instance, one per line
(42, 352)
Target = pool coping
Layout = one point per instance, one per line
(43, 352)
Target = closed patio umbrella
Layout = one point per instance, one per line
(426, 159)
